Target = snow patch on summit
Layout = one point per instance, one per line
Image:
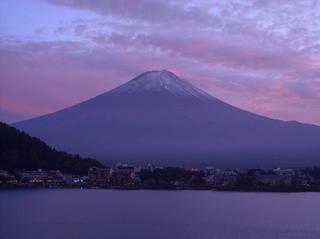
(161, 81)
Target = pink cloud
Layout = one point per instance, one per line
(38, 78)
(260, 55)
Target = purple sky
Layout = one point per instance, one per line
(262, 56)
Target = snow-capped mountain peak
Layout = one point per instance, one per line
(161, 81)
(162, 119)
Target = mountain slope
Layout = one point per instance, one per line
(21, 151)
(160, 118)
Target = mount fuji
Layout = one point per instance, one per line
(159, 118)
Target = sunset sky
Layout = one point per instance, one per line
(260, 55)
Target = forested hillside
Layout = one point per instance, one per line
(20, 151)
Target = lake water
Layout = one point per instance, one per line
(75, 213)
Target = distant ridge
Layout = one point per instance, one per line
(159, 118)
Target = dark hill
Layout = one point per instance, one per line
(19, 151)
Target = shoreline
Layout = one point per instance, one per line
(262, 190)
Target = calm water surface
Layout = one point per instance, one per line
(73, 213)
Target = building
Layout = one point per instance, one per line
(209, 171)
(36, 176)
(6, 178)
(287, 172)
(67, 179)
(99, 175)
(224, 178)
(123, 175)
(210, 180)
(274, 179)
(54, 177)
